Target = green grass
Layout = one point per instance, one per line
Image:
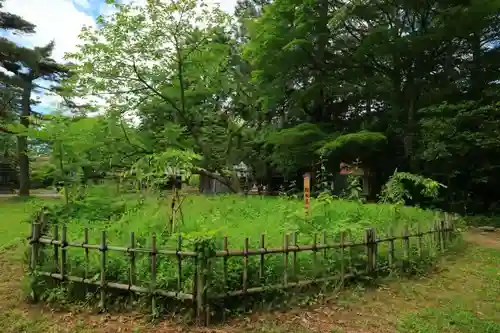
(448, 319)
(237, 217)
(208, 218)
(462, 297)
(13, 211)
(469, 300)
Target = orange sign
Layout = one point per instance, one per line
(307, 193)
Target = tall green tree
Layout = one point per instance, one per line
(178, 68)
(372, 65)
(37, 66)
(10, 91)
(24, 68)
(10, 55)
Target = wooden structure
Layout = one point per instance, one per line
(203, 295)
(8, 176)
(341, 179)
(210, 185)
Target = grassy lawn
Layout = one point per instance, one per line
(461, 295)
(12, 212)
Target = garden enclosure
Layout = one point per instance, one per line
(209, 272)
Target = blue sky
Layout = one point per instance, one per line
(58, 20)
(90, 7)
(62, 21)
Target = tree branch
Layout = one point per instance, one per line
(213, 175)
(154, 90)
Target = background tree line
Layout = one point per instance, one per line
(286, 86)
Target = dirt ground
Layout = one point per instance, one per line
(484, 238)
(357, 310)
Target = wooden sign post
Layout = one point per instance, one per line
(307, 194)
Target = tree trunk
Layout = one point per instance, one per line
(409, 135)
(227, 181)
(477, 80)
(22, 141)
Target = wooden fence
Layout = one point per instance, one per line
(201, 297)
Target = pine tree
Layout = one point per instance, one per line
(25, 66)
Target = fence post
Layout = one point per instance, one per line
(342, 256)
(261, 266)
(64, 249)
(86, 252)
(225, 268)
(447, 224)
(35, 236)
(200, 261)
(152, 286)
(55, 237)
(179, 263)
(420, 241)
(285, 250)
(131, 271)
(315, 255)
(245, 265)
(208, 270)
(437, 237)
(103, 249)
(406, 246)
(451, 226)
(390, 234)
(323, 241)
(442, 235)
(294, 256)
(374, 250)
(349, 250)
(369, 250)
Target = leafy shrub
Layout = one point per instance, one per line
(401, 187)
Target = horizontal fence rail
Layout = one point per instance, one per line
(203, 293)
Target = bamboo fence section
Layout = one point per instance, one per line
(202, 297)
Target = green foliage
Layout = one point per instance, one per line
(350, 147)
(42, 174)
(294, 147)
(93, 205)
(156, 169)
(354, 189)
(175, 71)
(398, 189)
(461, 148)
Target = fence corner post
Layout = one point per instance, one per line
(34, 242)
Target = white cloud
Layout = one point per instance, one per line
(56, 20)
(227, 5)
(59, 20)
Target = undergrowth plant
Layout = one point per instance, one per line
(395, 191)
(207, 219)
